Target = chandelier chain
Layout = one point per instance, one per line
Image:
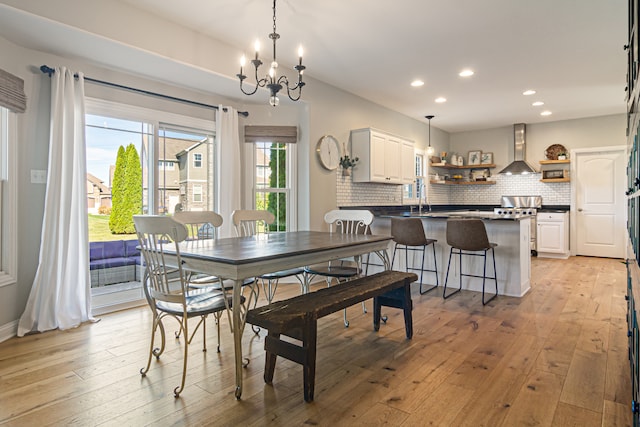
(274, 16)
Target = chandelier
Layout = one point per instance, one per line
(271, 80)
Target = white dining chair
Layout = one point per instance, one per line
(255, 222)
(167, 288)
(346, 221)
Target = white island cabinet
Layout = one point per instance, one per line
(513, 254)
(384, 158)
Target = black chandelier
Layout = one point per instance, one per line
(271, 81)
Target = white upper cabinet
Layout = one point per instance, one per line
(383, 157)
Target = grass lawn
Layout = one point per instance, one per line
(99, 230)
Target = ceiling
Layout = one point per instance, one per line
(569, 51)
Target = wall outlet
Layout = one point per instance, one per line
(38, 176)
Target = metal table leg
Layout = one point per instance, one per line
(238, 328)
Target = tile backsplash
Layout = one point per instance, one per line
(366, 193)
(371, 194)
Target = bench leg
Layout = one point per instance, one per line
(407, 307)
(270, 361)
(309, 367)
(376, 314)
(398, 298)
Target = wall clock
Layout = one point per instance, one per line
(328, 151)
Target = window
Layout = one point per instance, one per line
(8, 203)
(197, 193)
(197, 160)
(166, 165)
(417, 192)
(273, 179)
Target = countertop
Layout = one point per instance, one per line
(406, 210)
(459, 214)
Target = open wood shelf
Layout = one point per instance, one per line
(554, 162)
(463, 182)
(555, 180)
(450, 166)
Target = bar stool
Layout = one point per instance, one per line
(408, 235)
(469, 237)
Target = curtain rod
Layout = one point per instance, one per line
(48, 70)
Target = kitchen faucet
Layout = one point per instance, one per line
(421, 194)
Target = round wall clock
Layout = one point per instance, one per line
(328, 151)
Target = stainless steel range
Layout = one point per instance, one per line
(522, 205)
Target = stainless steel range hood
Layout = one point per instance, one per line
(519, 164)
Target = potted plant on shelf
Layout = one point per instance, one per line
(562, 155)
(347, 163)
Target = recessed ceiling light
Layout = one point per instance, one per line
(417, 83)
(546, 113)
(441, 99)
(466, 73)
(537, 103)
(529, 92)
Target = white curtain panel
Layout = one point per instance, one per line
(61, 295)
(229, 172)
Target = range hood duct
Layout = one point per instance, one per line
(519, 164)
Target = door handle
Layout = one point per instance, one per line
(579, 209)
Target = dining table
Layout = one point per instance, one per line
(242, 258)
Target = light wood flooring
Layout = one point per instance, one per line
(557, 357)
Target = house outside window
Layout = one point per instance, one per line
(166, 165)
(197, 160)
(197, 193)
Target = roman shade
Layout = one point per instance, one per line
(281, 134)
(12, 92)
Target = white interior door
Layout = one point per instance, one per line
(600, 212)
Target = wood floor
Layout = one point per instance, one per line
(557, 357)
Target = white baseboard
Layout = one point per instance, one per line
(9, 330)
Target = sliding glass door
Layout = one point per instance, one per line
(137, 164)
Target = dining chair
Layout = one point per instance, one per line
(254, 222)
(167, 289)
(346, 221)
(201, 226)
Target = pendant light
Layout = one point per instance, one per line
(430, 149)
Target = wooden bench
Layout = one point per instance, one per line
(297, 318)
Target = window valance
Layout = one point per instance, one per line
(281, 134)
(12, 94)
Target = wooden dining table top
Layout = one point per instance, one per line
(245, 250)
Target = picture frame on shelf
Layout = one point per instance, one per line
(486, 158)
(474, 157)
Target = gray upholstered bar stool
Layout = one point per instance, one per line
(408, 235)
(469, 237)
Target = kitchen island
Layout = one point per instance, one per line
(513, 254)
